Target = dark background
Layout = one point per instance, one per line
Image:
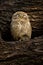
(15, 52)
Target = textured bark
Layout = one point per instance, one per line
(21, 52)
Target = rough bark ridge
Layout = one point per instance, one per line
(21, 52)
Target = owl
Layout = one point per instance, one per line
(20, 26)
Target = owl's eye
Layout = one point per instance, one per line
(15, 16)
(25, 17)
